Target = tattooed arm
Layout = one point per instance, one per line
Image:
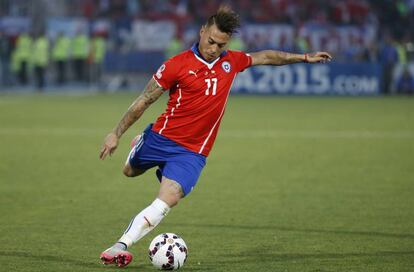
(151, 93)
(271, 57)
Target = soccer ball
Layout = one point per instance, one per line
(168, 251)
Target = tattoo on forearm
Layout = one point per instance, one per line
(273, 57)
(151, 93)
(286, 58)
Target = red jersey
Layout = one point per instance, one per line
(198, 96)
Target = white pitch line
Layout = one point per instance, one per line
(250, 134)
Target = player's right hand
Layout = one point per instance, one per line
(109, 145)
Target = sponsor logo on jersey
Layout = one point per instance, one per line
(159, 71)
(226, 66)
(193, 72)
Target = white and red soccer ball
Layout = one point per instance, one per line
(168, 251)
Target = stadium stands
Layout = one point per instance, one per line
(354, 31)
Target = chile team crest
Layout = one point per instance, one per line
(226, 66)
(159, 71)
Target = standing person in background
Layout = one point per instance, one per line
(388, 57)
(96, 57)
(237, 44)
(80, 53)
(40, 60)
(60, 57)
(5, 57)
(174, 47)
(23, 54)
(199, 82)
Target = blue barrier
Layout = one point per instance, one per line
(297, 79)
(149, 62)
(318, 79)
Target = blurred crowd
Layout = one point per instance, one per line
(393, 21)
(27, 57)
(388, 16)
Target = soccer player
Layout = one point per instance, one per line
(177, 144)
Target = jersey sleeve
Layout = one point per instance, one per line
(243, 60)
(166, 75)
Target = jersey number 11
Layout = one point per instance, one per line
(209, 81)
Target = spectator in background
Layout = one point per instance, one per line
(40, 59)
(5, 56)
(96, 57)
(401, 52)
(236, 43)
(388, 56)
(60, 57)
(80, 54)
(23, 53)
(174, 47)
(301, 41)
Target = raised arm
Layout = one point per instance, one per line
(272, 57)
(151, 93)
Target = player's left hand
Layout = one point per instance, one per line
(109, 145)
(319, 57)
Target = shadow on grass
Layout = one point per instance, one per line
(87, 265)
(342, 232)
(95, 264)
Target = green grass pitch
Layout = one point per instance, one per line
(292, 184)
